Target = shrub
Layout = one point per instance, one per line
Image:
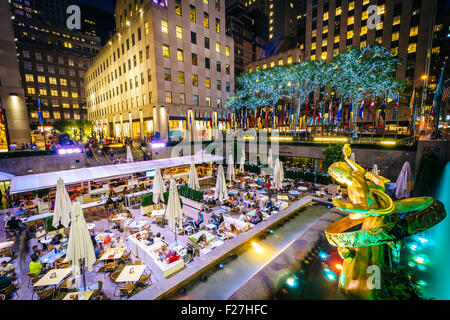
(48, 224)
(333, 153)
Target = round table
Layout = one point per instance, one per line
(302, 189)
(90, 226)
(7, 244)
(45, 241)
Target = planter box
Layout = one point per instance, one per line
(191, 203)
(146, 210)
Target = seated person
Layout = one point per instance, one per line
(36, 267)
(7, 217)
(104, 197)
(109, 201)
(56, 241)
(40, 234)
(36, 251)
(98, 249)
(171, 256)
(119, 243)
(7, 269)
(234, 230)
(217, 219)
(162, 252)
(202, 242)
(196, 224)
(5, 282)
(15, 224)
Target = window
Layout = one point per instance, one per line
(195, 80)
(43, 92)
(192, 13)
(227, 69)
(63, 82)
(168, 96)
(396, 21)
(219, 103)
(39, 67)
(217, 25)
(56, 114)
(179, 32)
(180, 55)
(264, 66)
(289, 59)
(147, 52)
(146, 28)
(164, 26)
(66, 106)
(31, 91)
(219, 85)
(194, 59)
(351, 20)
(228, 87)
(207, 63)
(218, 66)
(29, 78)
(54, 93)
(208, 101)
(280, 62)
(206, 20)
(167, 75)
(218, 5)
(165, 51)
(76, 106)
(180, 77)
(41, 79)
(227, 51)
(395, 36)
(208, 83)
(182, 98)
(206, 42)
(178, 9)
(414, 31)
(195, 99)
(363, 30)
(412, 47)
(218, 47)
(193, 37)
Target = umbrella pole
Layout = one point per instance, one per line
(83, 272)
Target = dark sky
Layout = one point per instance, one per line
(107, 5)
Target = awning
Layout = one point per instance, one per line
(5, 176)
(46, 180)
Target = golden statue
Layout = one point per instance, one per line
(374, 227)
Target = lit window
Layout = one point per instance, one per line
(325, 16)
(146, 28)
(206, 20)
(324, 56)
(313, 57)
(76, 106)
(164, 26)
(412, 47)
(270, 36)
(351, 20)
(363, 30)
(74, 94)
(313, 46)
(338, 11)
(66, 106)
(65, 94)
(324, 42)
(180, 55)
(436, 50)
(363, 43)
(381, 9)
(380, 26)
(179, 31)
(351, 6)
(227, 51)
(208, 83)
(178, 9)
(395, 36)
(218, 47)
(63, 82)
(365, 15)
(169, 96)
(195, 80)
(217, 26)
(289, 60)
(165, 51)
(43, 92)
(205, 1)
(264, 66)
(272, 64)
(29, 78)
(192, 13)
(394, 51)
(336, 39)
(350, 34)
(280, 62)
(54, 93)
(180, 77)
(414, 31)
(396, 21)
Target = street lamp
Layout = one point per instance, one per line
(424, 78)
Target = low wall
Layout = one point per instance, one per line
(41, 164)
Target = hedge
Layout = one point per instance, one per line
(321, 178)
(253, 168)
(147, 199)
(192, 194)
(48, 224)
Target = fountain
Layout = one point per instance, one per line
(440, 284)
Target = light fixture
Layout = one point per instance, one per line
(331, 139)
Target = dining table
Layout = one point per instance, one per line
(52, 256)
(81, 295)
(113, 254)
(53, 277)
(131, 273)
(6, 245)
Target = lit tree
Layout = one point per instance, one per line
(369, 70)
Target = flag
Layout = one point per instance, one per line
(446, 91)
(361, 110)
(2, 120)
(350, 107)
(320, 115)
(436, 109)
(314, 114)
(383, 111)
(412, 105)
(330, 112)
(372, 105)
(339, 113)
(41, 122)
(394, 116)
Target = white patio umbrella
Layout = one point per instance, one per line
(231, 172)
(221, 192)
(270, 159)
(281, 172)
(159, 187)
(242, 162)
(352, 157)
(277, 175)
(375, 169)
(173, 211)
(63, 205)
(129, 155)
(80, 250)
(193, 178)
(405, 182)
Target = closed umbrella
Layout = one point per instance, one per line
(193, 178)
(221, 192)
(277, 175)
(405, 182)
(281, 173)
(129, 155)
(158, 187)
(241, 165)
(231, 174)
(375, 169)
(174, 211)
(63, 205)
(352, 157)
(270, 159)
(80, 250)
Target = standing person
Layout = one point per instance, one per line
(1, 197)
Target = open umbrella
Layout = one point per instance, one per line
(129, 155)
(277, 175)
(231, 174)
(173, 211)
(405, 182)
(221, 192)
(63, 205)
(193, 178)
(80, 250)
(158, 187)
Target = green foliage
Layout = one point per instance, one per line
(147, 199)
(62, 125)
(333, 153)
(192, 194)
(41, 193)
(397, 284)
(253, 168)
(48, 224)
(428, 175)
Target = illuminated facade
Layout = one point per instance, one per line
(169, 68)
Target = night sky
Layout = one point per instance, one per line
(107, 5)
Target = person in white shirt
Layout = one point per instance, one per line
(40, 234)
(7, 269)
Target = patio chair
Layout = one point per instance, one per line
(35, 289)
(46, 294)
(98, 292)
(66, 285)
(31, 276)
(2, 297)
(109, 267)
(137, 262)
(125, 258)
(127, 290)
(9, 290)
(113, 277)
(144, 280)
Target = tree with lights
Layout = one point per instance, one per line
(364, 71)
